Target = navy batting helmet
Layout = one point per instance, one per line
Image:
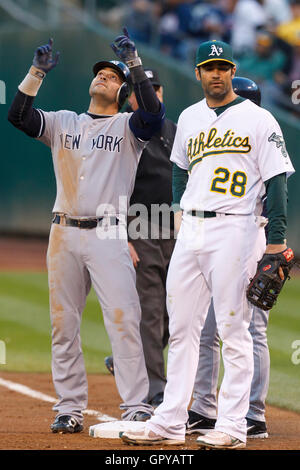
(123, 72)
(247, 89)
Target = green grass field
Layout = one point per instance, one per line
(25, 329)
(25, 325)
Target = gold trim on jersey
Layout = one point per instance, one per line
(201, 146)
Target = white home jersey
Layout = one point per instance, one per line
(229, 157)
(95, 161)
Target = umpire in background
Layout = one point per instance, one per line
(151, 257)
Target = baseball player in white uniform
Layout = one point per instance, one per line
(203, 410)
(233, 151)
(95, 156)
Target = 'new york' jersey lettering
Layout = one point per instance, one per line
(107, 142)
(70, 142)
(95, 161)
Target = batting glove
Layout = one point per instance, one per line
(125, 49)
(43, 57)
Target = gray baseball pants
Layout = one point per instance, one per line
(77, 259)
(205, 389)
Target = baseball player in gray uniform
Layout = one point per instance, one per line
(95, 157)
(203, 411)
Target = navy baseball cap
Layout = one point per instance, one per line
(121, 68)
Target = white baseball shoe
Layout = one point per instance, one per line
(219, 440)
(148, 438)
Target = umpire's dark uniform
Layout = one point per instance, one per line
(153, 185)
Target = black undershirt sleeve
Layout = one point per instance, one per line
(144, 91)
(24, 117)
(148, 118)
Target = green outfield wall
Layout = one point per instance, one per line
(27, 180)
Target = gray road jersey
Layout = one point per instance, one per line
(95, 161)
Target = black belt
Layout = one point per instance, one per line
(204, 214)
(83, 223)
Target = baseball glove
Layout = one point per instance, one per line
(266, 285)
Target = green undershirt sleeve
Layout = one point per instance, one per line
(277, 196)
(179, 182)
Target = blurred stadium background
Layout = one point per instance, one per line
(265, 35)
(167, 33)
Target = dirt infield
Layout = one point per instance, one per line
(25, 421)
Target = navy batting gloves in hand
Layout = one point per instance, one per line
(124, 47)
(43, 57)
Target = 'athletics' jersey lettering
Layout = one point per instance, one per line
(217, 144)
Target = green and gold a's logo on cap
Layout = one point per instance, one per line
(216, 50)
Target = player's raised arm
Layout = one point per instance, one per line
(150, 114)
(21, 113)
